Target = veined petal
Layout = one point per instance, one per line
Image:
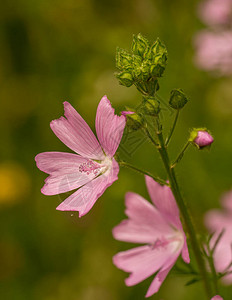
(145, 224)
(144, 261)
(164, 200)
(65, 171)
(75, 133)
(85, 197)
(59, 163)
(109, 127)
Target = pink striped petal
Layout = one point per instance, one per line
(75, 133)
(145, 224)
(164, 200)
(109, 127)
(59, 163)
(144, 261)
(85, 197)
(64, 169)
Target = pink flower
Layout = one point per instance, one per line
(157, 226)
(217, 297)
(216, 12)
(217, 222)
(90, 171)
(214, 51)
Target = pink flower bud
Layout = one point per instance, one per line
(201, 138)
(217, 297)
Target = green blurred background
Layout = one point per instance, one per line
(51, 51)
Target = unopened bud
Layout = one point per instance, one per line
(158, 56)
(134, 120)
(157, 69)
(151, 106)
(125, 78)
(124, 60)
(140, 45)
(178, 99)
(158, 48)
(201, 138)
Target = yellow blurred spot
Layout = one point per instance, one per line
(14, 181)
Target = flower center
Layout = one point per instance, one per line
(163, 242)
(91, 167)
(160, 243)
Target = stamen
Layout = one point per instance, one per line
(90, 167)
(160, 243)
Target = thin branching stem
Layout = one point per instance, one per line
(172, 128)
(156, 178)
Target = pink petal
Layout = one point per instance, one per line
(163, 199)
(227, 201)
(64, 169)
(75, 133)
(227, 279)
(217, 221)
(59, 163)
(145, 224)
(185, 252)
(144, 261)
(109, 127)
(85, 197)
(158, 280)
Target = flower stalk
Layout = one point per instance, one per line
(172, 128)
(180, 156)
(184, 211)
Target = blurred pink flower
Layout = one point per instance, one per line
(90, 171)
(218, 221)
(214, 51)
(217, 297)
(216, 12)
(158, 226)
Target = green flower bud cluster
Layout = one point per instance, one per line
(143, 66)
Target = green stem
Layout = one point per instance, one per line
(150, 137)
(172, 128)
(180, 155)
(185, 214)
(157, 179)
